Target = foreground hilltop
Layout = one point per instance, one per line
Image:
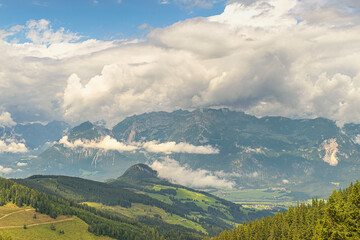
(140, 195)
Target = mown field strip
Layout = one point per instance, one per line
(36, 224)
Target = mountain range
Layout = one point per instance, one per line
(206, 148)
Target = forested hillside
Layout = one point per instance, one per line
(142, 196)
(337, 218)
(100, 222)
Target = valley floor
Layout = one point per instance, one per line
(270, 199)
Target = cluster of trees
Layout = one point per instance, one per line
(337, 218)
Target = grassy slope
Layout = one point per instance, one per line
(13, 218)
(205, 209)
(82, 190)
(138, 209)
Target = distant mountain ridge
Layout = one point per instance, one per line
(35, 134)
(25, 140)
(306, 155)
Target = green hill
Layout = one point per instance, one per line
(140, 171)
(211, 212)
(100, 223)
(140, 195)
(336, 218)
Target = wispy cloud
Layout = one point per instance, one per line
(40, 4)
(196, 3)
(41, 32)
(143, 26)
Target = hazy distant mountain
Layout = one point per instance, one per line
(34, 135)
(88, 162)
(20, 142)
(308, 155)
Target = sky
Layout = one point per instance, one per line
(108, 59)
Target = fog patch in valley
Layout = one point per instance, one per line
(182, 174)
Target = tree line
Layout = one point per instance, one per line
(335, 219)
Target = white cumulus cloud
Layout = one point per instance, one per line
(107, 144)
(5, 170)
(10, 146)
(21, 164)
(171, 169)
(276, 57)
(6, 120)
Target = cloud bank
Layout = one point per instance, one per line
(275, 57)
(108, 143)
(173, 147)
(171, 169)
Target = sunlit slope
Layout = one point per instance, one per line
(25, 223)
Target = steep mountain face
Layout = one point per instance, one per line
(306, 155)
